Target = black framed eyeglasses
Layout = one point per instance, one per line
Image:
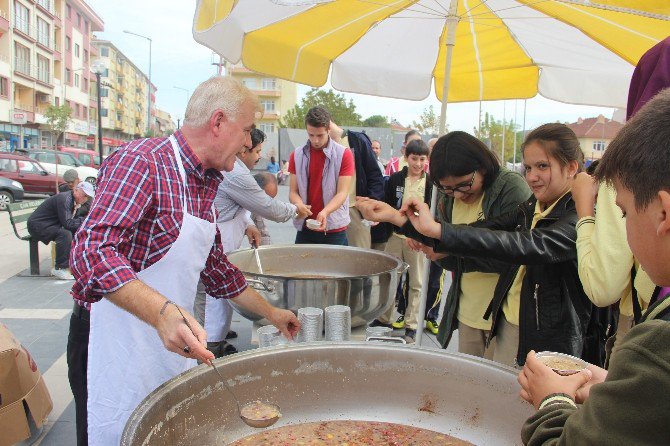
(462, 188)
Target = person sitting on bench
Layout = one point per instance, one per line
(56, 219)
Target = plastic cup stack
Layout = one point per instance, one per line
(378, 332)
(268, 335)
(311, 324)
(338, 323)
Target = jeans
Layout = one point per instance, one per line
(77, 363)
(307, 236)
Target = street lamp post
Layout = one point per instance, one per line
(98, 67)
(149, 87)
(188, 95)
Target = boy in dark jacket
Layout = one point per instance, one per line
(410, 182)
(628, 403)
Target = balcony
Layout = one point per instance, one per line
(46, 42)
(4, 22)
(267, 93)
(47, 7)
(40, 74)
(23, 28)
(23, 66)
(239, 69)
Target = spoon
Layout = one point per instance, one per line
(248, 412)
(258, 259)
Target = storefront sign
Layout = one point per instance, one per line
(19, 118)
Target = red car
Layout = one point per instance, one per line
(87, 157)
(32, 176)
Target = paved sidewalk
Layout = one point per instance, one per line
(37, 311)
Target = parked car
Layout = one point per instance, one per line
(87, 157)
(10, 191)
(31, 174)
(61, 161)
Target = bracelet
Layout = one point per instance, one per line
(167, 302)
(557, 398)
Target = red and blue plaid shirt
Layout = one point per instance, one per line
(136, 217)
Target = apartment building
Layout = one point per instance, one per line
(276, 95)
(44, 55)
(163, 123)
(123, 96)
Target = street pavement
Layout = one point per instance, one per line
(37, 311)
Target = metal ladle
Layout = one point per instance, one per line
(258, 423)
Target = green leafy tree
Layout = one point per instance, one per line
(342, 112)
(58, 118)
(428, 121)
(491, 132)
(376, 121)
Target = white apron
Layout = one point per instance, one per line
(126, 357)
(219, 312)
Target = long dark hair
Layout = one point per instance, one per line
(458, 153)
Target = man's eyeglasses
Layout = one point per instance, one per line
(461, 188)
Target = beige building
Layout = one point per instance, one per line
(123, 96)
(163, 125)
(595, 134)
(276, 95)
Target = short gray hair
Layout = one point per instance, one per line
(265, 178)
(218, 93)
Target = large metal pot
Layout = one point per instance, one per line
(297, 276)
(471, 398)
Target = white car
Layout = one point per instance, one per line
(66, 161)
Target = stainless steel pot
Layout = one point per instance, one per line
(297, 276)
(471, 398)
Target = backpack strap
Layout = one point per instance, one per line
(637, 309)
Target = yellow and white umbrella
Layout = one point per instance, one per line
(575, 51)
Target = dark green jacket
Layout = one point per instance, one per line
(503, 196)
(631, 407)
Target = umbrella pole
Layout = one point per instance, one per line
(452, 22)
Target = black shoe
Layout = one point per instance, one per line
(410, 335)
(231, 334)
(378, 323)
(228, 348)
(215, 348)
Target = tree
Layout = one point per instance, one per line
(428, 122)
(376, 121)
(491, 132)
(342, 112)
(58, 118)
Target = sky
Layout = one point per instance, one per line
(179, 61)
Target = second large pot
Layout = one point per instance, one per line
(297, 276)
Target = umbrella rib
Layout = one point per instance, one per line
(435, 12)
(511, 7)
(477, 57)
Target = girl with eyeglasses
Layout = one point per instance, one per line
(538, 302)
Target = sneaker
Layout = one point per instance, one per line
(432, 326)
(231, 334)
(62, 274)
(410, 335)
(228, 348)
(399, 324)
(378, 323)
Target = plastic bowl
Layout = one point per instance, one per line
(313, 224)
(561, 363)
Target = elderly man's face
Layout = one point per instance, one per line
(79, 196)
(234, 136)
(377, 148)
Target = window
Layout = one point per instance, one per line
(270, 84)
(68, 76)
(598, 146)
(78, 20)
(84, 111)
(104, 112)
(43, 32)
(4, 87)
(85, 159)
(67, 160)
(57, 101)
(43, 69)
(86, 26)
(118, 116)
(69, 11)
(76, 79)
(76, 109)
(268, 105)
(29, 167)
(85, 86)
(76, 49)
(7, 165)
(86, 56)
(267, 127)
(104, 51)
(49, 158)
(249, 83)
(22, 55)
(68, 43)
(104, 92)
(21, 18)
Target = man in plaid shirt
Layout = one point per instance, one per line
(150, 236)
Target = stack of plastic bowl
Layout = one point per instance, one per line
(338, 323)
(311, 324)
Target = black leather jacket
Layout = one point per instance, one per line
(554, 312)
